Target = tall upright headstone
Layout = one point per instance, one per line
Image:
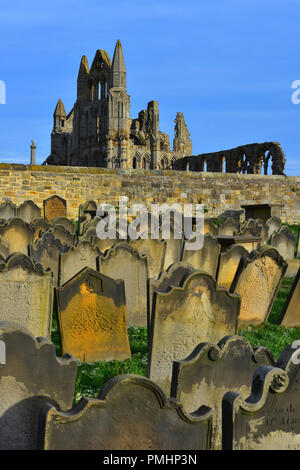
(55, 206)
(290, 315)
(84, 255)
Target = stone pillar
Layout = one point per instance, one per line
(123, 156)
(109, 153)
(32, 153)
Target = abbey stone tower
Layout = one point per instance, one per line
(99, 132)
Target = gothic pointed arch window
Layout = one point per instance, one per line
(134, 163)
(120, 109)
(144, 163)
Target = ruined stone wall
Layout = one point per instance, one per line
(218, 191)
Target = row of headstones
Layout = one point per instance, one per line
(53, 207)
(222, 396)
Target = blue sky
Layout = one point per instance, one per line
(227, 65)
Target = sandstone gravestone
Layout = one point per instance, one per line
(130, 413)
(92, 317)
(54, 207)
(17, 234)
(84, 255)
(205, 259)
(228, 264)
(38, 226)
(63, 235)
(290, 315)
(123, 262)
(65, 222)
(210, 227)
(173, 250)
(28, 211)
(229, 227)
(26, 293)
(46, 251)
(269, 418)
(31, 376)
(106, 243)
(257, 281)
(154, 250)
(4, 248)
(185, 316)
(285, 242)
(211, 370)
(86, 212)
(273, 224)
(8, 210)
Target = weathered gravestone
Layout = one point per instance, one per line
(273, 224)
(8, 210)
(38, 226)
(26, 294)
(63, 235)
(4, 248)
(173, 250)
(84, 255)
(175, 274)
(257, 281)
(86, 212)
(92, 317)
(154, 250)
(185, 316)
(104, 244)
(123, 262)
(229, 227)
(290, 315)
(205, 259)
(211, 370)
(65, 222)
(17, 234)
(31, 377)
(285, 242)
(269, 418)
(130, 413)
(54, 206)
(46, 251)
(28, 211)
(228, 264)
(210, 227)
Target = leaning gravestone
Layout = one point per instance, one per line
(257, 281)
(205, 259)
(211, 370)
(185, 316)
(285, 242)
(26, 293)
(4, 248)
(84, 255)
(8, 210)
(92, 317)
(123, 262)
(273, 224)
(17, 234)
(154, 250)
(28, 211)
(31, 377)
(290, 316)
(269, 418)
(54, 207)
(130, 413)
(65, 222)
(86, 212)
(46, 251)
(38, 226)
(228, 264)
(229, 227)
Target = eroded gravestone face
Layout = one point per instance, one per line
(210, 227)
(123, 262)
(185, 316)
(205, 259)
(66, 223)
(229, 227)
(63, 235)
(285, 242)
(273, 224)
(269, 419)
(75, 259)
(228, 264)
(211, 370)
(38, 226)
(54, 207)
(31, 376)
(290, 316)
(131, 413)
(17, 234)
(92, 317)
(154, 250)
(257, 281)
(8, 210)
(28, 211)
(26, 293)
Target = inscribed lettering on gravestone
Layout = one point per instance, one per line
(211, 370)
(228, 264)
(84, 255)
(17, 234)
(26, 294)
(290, 316)
(257, 281)
(185, 316)
(31, 377)
(130, 413)
(54, 207)
(269, 418)
(123, 262)
(92, 317)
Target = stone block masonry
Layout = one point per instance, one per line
(218, 191)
